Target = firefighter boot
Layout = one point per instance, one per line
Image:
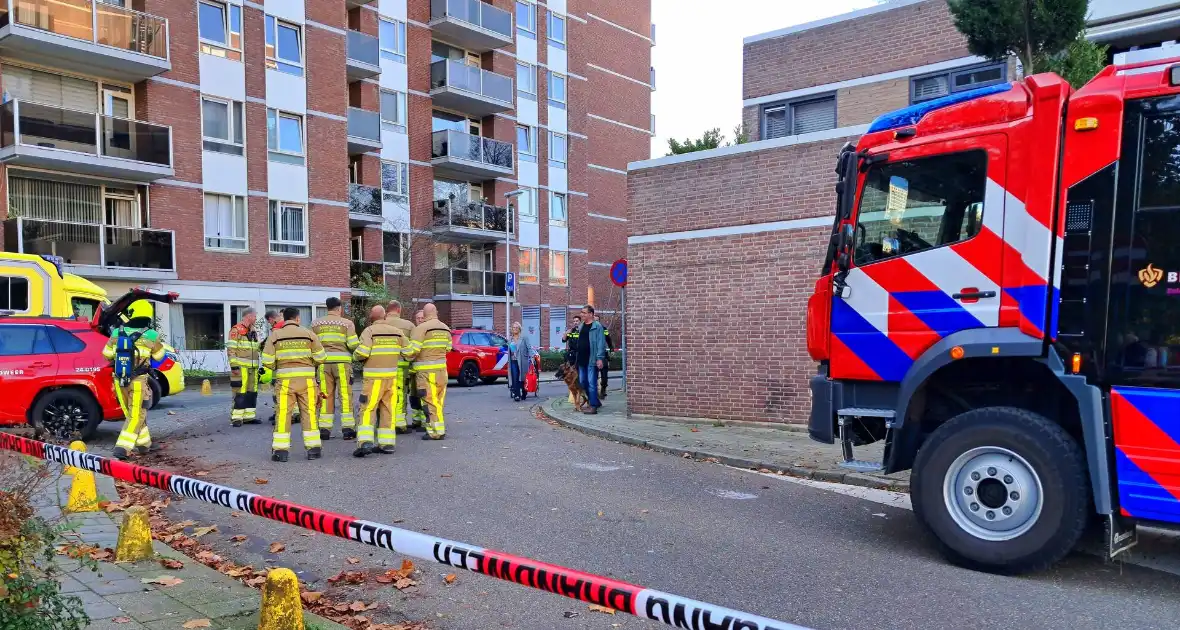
(278, 456)
(384, 449)
(120, 453)
(362, 449)
(326, 434)
(314, 452)
(348, 433)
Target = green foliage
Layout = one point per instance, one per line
(1078, 63)
(370, 292)
(199, 373)
(711, 140)
(1032, 30)
(741, 134)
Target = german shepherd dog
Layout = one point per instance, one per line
(569, 374)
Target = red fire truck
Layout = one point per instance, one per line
(1001, 308)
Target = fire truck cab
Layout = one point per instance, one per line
(1000, 306)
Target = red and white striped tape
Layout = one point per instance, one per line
(672, 610)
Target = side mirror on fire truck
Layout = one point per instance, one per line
(844, 246)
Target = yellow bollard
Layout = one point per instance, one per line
(281, 606)
(206, 388)
(83, 493)
(135, 536)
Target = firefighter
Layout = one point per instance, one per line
(382, 347)
(430, 342)
(337, 334)
(242, 350)
(417, 414)
(393, 315)
(293, 352)
(132, 348)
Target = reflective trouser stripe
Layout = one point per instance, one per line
(371, 399)
(246, 397)
(135, 431)
(281, 441)
(333, 381)
(301, 392)
(436, 397)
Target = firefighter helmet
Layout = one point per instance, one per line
(140, 314)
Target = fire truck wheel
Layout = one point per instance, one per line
(1003, 489)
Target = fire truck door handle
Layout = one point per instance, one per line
(971, 295)
(40, 364)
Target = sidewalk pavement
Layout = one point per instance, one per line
(777, 448)
(116, 598)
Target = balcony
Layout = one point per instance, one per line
(364, 205)
(462, 155)
(86, 36)
(47, 136)
(471, 24)
(97, 251)
(364, 131)
(362, 56)
(460, 87)
(467, 283)
(469, 222)
(359, 270)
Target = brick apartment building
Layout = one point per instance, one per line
(271, 153)
(726, 245)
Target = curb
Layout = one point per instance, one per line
(827, 475)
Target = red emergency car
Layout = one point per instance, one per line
(477, 355)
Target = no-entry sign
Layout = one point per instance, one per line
(618, 272)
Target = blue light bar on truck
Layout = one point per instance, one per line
(908, 116)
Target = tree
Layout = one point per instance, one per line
(711, 140)
(1032, 30)
(1078, 63)
(741, 134)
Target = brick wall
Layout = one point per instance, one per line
(860, 104)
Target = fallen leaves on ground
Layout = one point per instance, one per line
(352, 560)
(201, 473)
(262, 482)
(602, 609)
(404, 583)
(208, 557)
(201, 531)
(240, 538)
(445, 475)
(237, 572)
(311, 597)
(276, 547)
(695, 430)
(348, 577)
(176, 527)
(122, 620)
(360, 606)
(450, 578)
(197, 623)
(171, 563)
(162, 580)
(257, 580)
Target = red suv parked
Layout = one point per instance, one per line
(477, 355)
(53, 374)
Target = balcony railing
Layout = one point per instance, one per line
(472, 215)
(51, 127)
(479, 14)
(92, 21)
(364, 200)
(109, 247)
(464, 146)
(363, 55)
(456, 74)
(469, 282)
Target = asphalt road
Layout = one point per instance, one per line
(504, 479)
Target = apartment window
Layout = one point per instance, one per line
(284, 48)
(526, 19)
(946, 83)
(14, 294)
(556, 31)
(558, 212)
(284, 137)
(222, 125)
(396, 248)
(526, 81)
(288, 228)
(557, 149)
(527, 266)
(559, 268)
(219, 26)
(225, 222)
(526, 205)
(395, 180)
(525, 147)
(357, 248)
(393, 40)
(393, 109)
(792, 119)
(557, 89)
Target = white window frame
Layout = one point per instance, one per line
(356, 246)
(565, 208)
(520, 87)
(274, 61)
(225, 50)
(789, 108)
(234, 207)
(529, 194)
(529, 153)
(950, 80)
(564, 279)
(565, 86)
(305, 243)
(531, 27)
(529, 276)
(233, 109)
(398, 51)
(279, 114)
(401, 181)
(398, 124)
(554, 161)
(557, 43)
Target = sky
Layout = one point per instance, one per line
(698, 58)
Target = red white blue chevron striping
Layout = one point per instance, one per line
(1147, 451)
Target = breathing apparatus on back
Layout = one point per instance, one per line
(137, 324)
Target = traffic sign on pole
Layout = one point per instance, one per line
(510, 282)
(618, 272)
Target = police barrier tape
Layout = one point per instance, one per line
(672, 610)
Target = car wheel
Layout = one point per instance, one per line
(469, 374)
(1003, 489)
(64, 411)
(157, 392)
(490, 380)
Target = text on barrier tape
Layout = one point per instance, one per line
(673, 610)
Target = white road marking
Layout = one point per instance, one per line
(596, 467)
(731, 494)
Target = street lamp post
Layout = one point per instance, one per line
(509, 197)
